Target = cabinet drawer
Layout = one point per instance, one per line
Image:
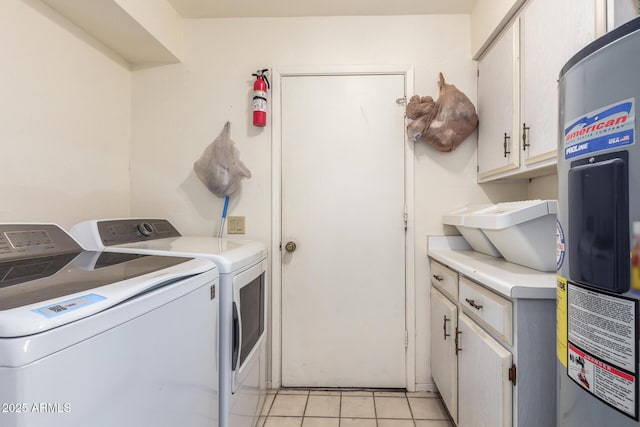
(444, 279)
(487, 308)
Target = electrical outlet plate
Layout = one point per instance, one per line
(235, 225)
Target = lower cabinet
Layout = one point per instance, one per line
(444, 364)
(483, 378)
(492, 356)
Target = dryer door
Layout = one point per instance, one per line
(249, 321)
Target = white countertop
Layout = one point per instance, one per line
(503, 277)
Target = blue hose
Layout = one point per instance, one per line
(224, 216)
(226, 205)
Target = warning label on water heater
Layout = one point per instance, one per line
(607, 127)
(602, 346)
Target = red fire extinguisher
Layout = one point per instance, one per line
(260, 87)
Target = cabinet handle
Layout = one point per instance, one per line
(444, 327)
(473, 304)
(506, 140)
(525, 129)
(438, 278)
(457, 341)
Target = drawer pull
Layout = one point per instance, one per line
(473, 304)
(457, 341)
(525, 144)
(438, 277)
(506, 141)
(444, 327)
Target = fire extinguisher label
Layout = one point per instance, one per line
(259, 104)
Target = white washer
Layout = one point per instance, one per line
(103, 339)
(242, 265)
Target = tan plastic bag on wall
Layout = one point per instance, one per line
(444, 123)
(220, 167)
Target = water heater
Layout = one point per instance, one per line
(598, 209)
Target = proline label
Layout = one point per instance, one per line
(607, 127)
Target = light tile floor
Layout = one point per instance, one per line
(360, 408)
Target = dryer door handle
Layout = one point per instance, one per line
(236, 338)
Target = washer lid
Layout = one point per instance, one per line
(230, 255)
(160, 237)
(37, 294)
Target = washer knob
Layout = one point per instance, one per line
(145, 229)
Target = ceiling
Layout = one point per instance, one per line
(272, 8)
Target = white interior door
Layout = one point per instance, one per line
(343, 288)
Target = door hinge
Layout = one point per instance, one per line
(280, 246)
(513, 374)
(406, 338)
(405, 218)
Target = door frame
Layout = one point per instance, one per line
(276, 210)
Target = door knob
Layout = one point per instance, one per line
(290, 247)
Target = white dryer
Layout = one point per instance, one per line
(103, 339)
(242, 265)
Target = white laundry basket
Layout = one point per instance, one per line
(524, 232)
(474, 236)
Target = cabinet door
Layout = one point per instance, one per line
(498, 106)
(484, 389)
(551, 32)
(444, 366)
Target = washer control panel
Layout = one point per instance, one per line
(121, 231)
(34, 240)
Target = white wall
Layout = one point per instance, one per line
(545, 187)
(64, 120)
(179, 109)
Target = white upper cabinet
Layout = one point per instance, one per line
(497, 107)
(551, 31)
(544, 36)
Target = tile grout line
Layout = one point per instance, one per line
(340, 411)
(375, 408)
(413, 420)
(304, 411)
(270, 406)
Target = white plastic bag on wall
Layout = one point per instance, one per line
(220, 167)
(444, 123)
